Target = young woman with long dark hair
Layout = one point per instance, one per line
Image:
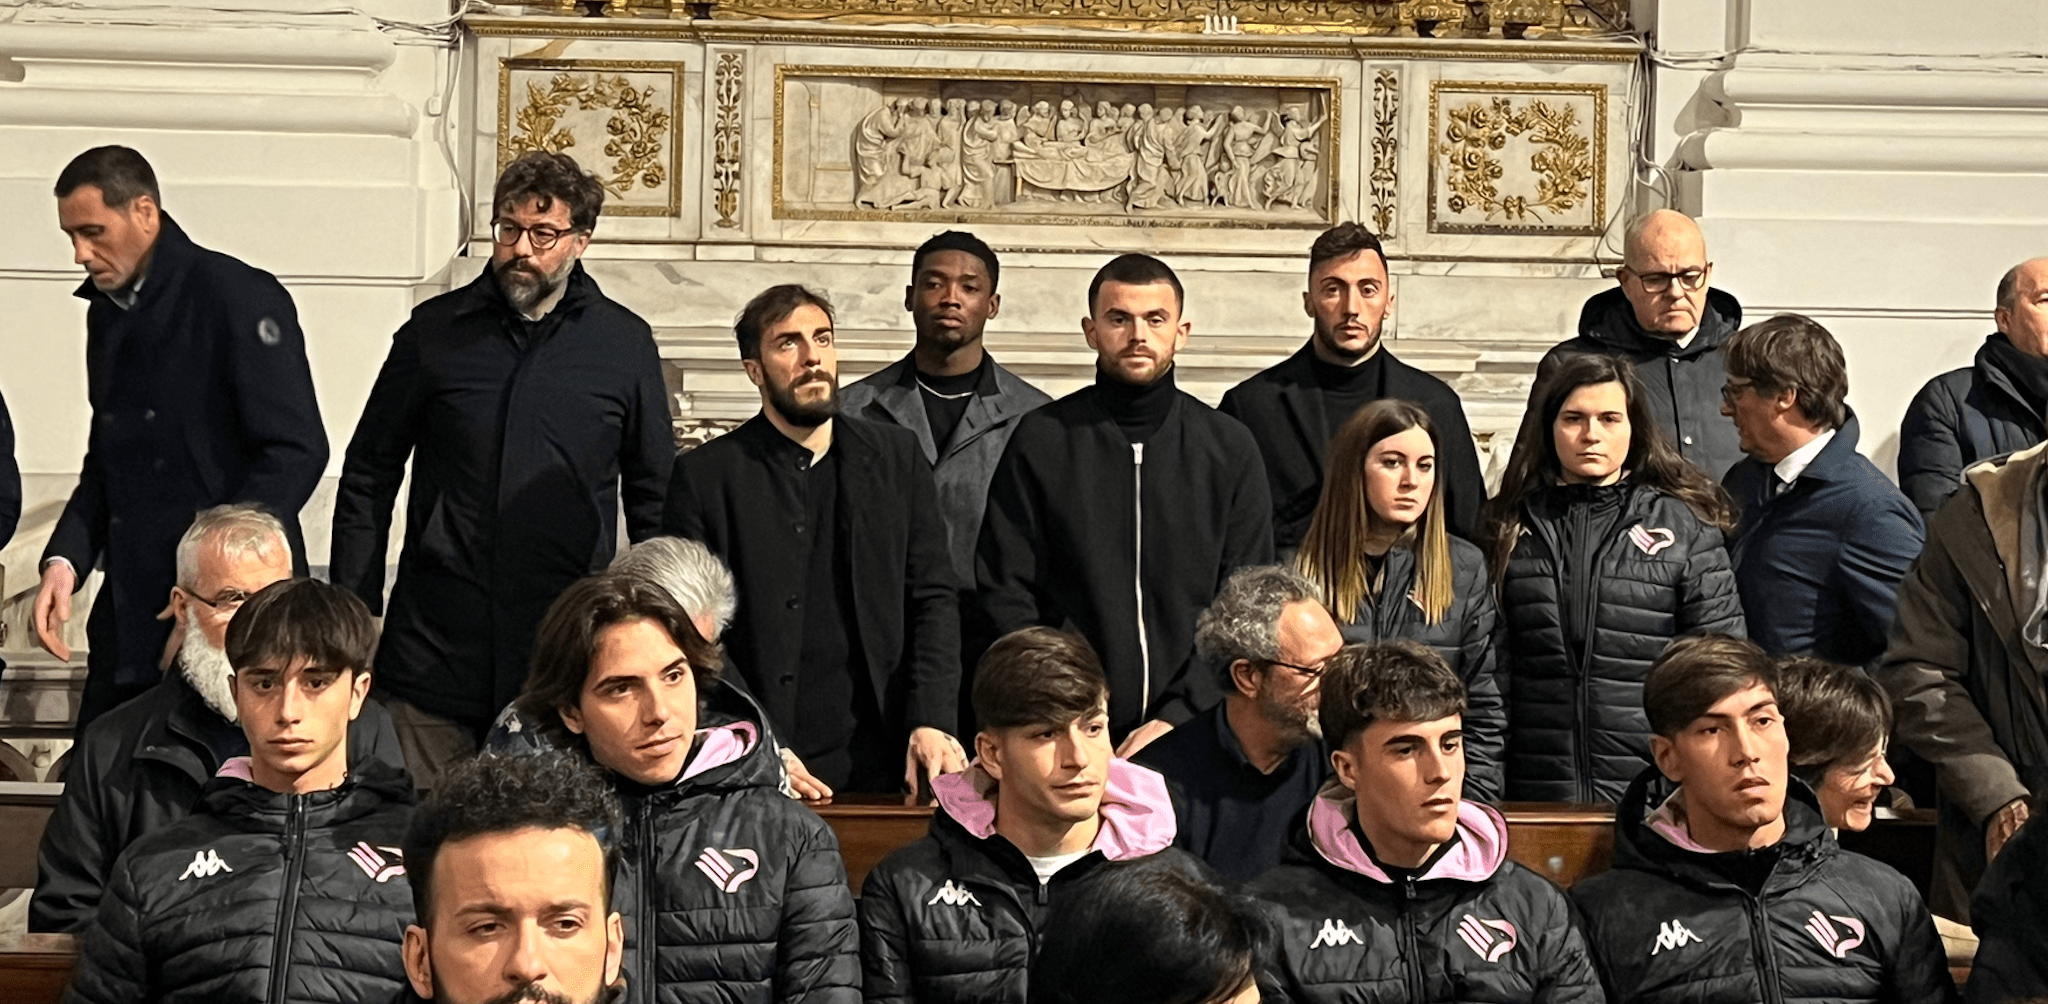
(1605, 545)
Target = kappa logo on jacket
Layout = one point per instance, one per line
(1832, 941)
(952, 895)
(1652, 540)
(373, 862)
(1488, 939)
(1673, 935)
(724, 872)
(1335, 934)
(205, 864)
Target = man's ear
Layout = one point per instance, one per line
(145, 210)
(989, 754)
(753, 368)
(1088, 333)
(1786, 401)
(181, 606)
(614, 948)
(1346, 767)
(995, 304)
(1245, 677)
(909, 295)
(2002, 318)
(419, 968)
(1664, 753)
(572, 717)
(1308, 302)
(359, 691)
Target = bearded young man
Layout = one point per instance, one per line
(849, 630)
(528, 404)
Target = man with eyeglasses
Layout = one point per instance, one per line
(1239, 772)
(529, 404)
(142, 766)
(1671, 324)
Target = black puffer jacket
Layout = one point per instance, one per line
(1473, 926)
(259, 896)
(1802, 920)
(1960, 417)
(1465, 638)
(744, 887)
(955, 916)
(1576, 728)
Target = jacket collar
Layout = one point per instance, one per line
(1608, 318)
(371, 785)
(731, 750)
(1137, 812)
(483, 293)
(167, 262)
(175, 735)
(997, 399)
(1642, 840)
(1332, 827)
(1837, 461)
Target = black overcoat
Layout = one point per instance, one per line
(521, 448)
(200, 396)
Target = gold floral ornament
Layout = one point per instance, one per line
(1563, 161)
(637, 126)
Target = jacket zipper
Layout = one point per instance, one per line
(1760, 937)
(1411, 949)
(648, 951)
(1581, 753)
(1138, 582)
(288, 904)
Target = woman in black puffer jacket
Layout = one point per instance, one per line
(1605, 545)
(1379, 547)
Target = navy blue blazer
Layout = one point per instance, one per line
(1819, 564)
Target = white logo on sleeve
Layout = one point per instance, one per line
(1488, 939)
(1650, 541)
(1673, 935)
(952, 895)
(1834, 942)
(205, 864)
(374, 862)
(1335, 934)
(724, 872)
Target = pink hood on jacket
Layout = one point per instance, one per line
(1137, 814)
(1668, 821)
(1482, 845)
(721, 745)
(240, 767)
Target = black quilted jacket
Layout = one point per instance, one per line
(259, 897)
(1576, 728)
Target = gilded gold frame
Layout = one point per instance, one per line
(677, 72)
(1597, 91)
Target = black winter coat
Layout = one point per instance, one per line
(1681, 384)
(742, 887)
(2011, 911)
(1670, 925)
(955, 917)
(200, 395)
(1283, 408)
(1819, 564)
(10, 480)
(135, 771)
(1961, 417)
(1465, 639)
(1473, 926)
(906, 602)
(259, 897)
(1576, 728)
(1078, 528)
(521, 445)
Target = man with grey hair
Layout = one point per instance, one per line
(142, 765)
(1242, 771)
(1990, 408)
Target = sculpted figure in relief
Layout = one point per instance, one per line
(1003, 187)
(977, 156)
(877, 158)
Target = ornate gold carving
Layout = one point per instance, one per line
(691, 433)
(1560, 128)
(1386, 151)
(633, 107)
(727, 86)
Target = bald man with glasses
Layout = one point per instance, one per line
(1667, 319)
(529, 406)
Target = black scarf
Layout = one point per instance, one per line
(2029, 375)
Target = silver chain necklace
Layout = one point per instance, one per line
(943, 397)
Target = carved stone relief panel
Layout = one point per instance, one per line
(862, 143)
(1517, 158)
(620, 120)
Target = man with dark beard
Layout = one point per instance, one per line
(1296, 406)
(848, 631)
(528, 404)
(141, 766)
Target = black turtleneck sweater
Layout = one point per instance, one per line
(1348, 388)
(1139, 410)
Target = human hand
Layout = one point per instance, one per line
(2002, 825)
(801, 781)
(934, 751)
(53, 608)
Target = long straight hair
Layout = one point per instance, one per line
(1651, 458)
(1332, 555)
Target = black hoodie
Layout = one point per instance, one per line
(1682, 383)
(259, 896)
(1801, 920)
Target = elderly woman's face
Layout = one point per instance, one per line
(1848, 792)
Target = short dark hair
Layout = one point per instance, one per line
(1038, 676)
(1834, 715)
(958, 240)
(1696, 672)
(1134, 270)
(118, 172)
(295, 619)
(501, 793)
(2009, 286)
(1343, 241)
(566, 642)
(1792, 350)
(545, 177)
(773, 306)
(1151, 930)
(1399, 681)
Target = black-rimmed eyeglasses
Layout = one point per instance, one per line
(542, 238)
